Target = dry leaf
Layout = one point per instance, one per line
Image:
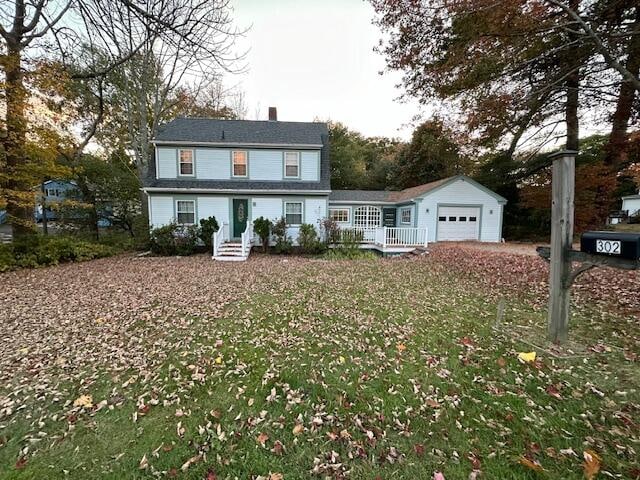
(533, 465)
(262, 438)
(298, 429)
(592, 464)
(84, 401)
(527, 357)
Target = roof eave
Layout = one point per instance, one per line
(237, 144)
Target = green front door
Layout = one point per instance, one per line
(240, 214)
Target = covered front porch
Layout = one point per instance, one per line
(386, 239)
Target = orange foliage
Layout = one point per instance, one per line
(595, 185)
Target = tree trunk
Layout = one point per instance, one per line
(573, 83)
(616, 150)
(19, 210)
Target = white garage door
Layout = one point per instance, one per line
(458, 223)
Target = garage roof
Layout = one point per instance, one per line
(405, 195)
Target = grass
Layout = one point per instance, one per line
(391, 369)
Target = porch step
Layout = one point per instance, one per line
(231, 252)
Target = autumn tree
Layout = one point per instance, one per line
(432, 154)
(516, 69)
(47, 32)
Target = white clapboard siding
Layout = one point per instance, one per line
(265, 165)
(309, 166)
(161, 210)
(167, 165)
(213, 164)
(213, 206)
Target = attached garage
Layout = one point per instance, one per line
(458, 223)
(452, 209)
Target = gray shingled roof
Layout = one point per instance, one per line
(359, 196)
(207, 130)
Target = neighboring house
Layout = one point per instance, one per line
(631, 204)
(239, 170)
(55, 192)
(630, 212)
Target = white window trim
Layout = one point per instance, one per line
(346, 209)
(368, 209)
(402, 211)
(301, 213)
(193, 162)
(246, 163)
(195, 220)
(297, 155)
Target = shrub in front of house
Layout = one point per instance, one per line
(283, 243)
(41, 251)
(174, 239)
(330, 231)
(207, 228)
(309, 241)
(262, 228)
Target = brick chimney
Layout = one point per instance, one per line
(273, 114)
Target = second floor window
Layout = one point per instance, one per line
(239, 160)
(291, 164)
(186, 162)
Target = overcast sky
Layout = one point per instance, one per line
(315, 59)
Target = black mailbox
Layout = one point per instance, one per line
(615, 244)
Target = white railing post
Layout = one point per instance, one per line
(384, 241)
(426, 237)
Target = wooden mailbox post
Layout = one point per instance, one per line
(562, 206)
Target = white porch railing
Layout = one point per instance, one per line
(405, 236)
(247, 239)
(390, 236)
(219, 237)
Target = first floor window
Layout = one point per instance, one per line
(186, 212)
(186, 162)
(367, 217)
(293, 213)
(239, 160)
(340, 215)
(405, 215)
(291, 164)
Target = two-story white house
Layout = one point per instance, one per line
(240, 170)
(237, 171)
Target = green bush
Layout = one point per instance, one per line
(349, 254)
(283, 241)
(207, 228)
(174, 239)
(41, 250)
(308, 239)
(262, 228)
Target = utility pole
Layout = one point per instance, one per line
(562, 210)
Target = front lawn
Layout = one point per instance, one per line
(301, 368)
